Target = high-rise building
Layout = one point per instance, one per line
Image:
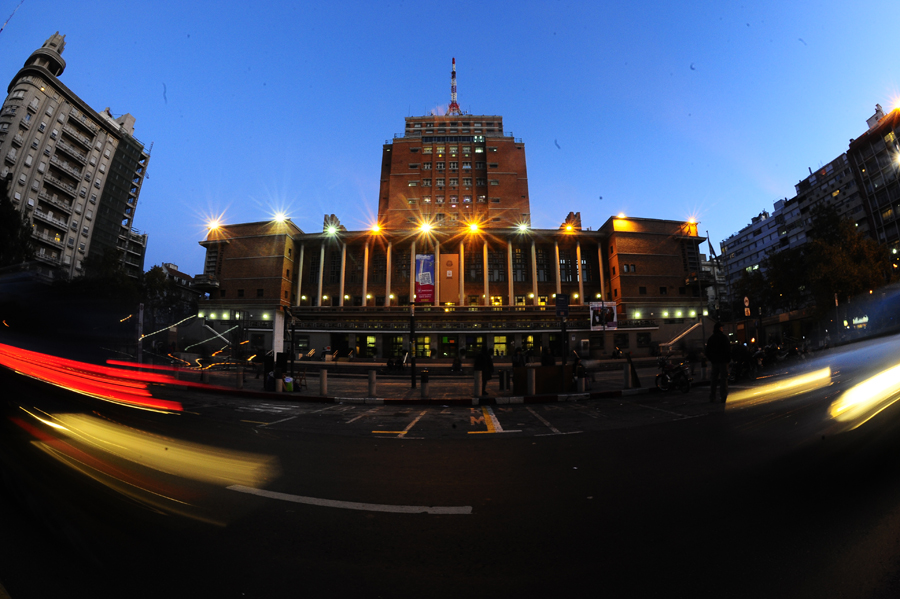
(873, 158)
(454, 168)
(75, 172)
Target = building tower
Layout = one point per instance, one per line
(76, 173)
(453, 170)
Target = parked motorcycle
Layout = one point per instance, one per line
(673, 376)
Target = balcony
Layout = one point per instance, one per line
(60, 185)
(84, 141)
(43, 216)
(43, 238)
(60, 164)
(206, 283)
(72, 152)
(18, 140)
(64, 206)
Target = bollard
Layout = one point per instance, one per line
(279, 385)
(240, 378)
(371, 383)
(204, 376)
(477, 377)
(425, 384)
(531, 378)
(703, 371)
(502, 381)
(580, 384)
(323, 382)
(626, 369)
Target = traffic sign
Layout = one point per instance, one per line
(562, 305)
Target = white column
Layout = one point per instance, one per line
(321, 274)
(509, 272)
(387, 278)
(278, 331)
(437, 271)
(556, 268)
(412, 272)
(366, 273)
(484, 272)
(580, 274)
(602, 274)
(462, 273)
(534, 281)
(300, 276)
(343, 271)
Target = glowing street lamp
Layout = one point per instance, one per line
(425, 227)
(473, 227)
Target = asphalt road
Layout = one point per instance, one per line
(644, 495)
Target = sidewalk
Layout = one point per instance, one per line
(445, 389)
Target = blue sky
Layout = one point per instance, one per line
(712, 110)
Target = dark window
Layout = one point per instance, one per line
(642, 290)
(221, 293)
(259, 293)
(621, 340)
(543, 266)
(663, 291)
(682, 291)
(643, 340)
(586, 268)
(566, 267)
(240, 293)
(401, 268)
(520, 266)
(497, 267)
(475, 269)
(334, 273)
(379, 269)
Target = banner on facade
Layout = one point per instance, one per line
(603, 316)
(424, 278)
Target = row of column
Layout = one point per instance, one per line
(460, 275)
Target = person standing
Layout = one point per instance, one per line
(485, 363)
(718, 352)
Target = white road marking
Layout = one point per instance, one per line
(372, 411)
(278, 421)
(542, 419)
(353, 505)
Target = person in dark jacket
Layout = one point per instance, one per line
(485, 363)
(718, 352)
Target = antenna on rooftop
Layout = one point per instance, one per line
(454, 107)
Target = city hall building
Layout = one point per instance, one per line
(453, 247)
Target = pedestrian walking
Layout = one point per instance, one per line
(484, 363)
(718, 352)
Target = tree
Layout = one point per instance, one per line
(787, 279)
(15, 231)
(842, 261)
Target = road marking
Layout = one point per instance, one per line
(279, 421)
(254, 422)
(372, 411)
(324, 409)
(353, 505)
(660, 410)
(542, 419)
(406, 430)
(490, 420)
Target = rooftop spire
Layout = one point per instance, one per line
(454, 107)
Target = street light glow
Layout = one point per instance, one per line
(280, 217)
(473, 227)
(425, 227)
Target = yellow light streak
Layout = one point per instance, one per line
(780, 389)
(865, 400)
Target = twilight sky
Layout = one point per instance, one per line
(664, 110)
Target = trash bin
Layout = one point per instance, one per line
(288, 383)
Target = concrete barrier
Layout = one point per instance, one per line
(477, 378)
(323, 382)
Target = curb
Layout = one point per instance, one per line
(418, 401)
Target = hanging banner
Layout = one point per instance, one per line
(603, 316)
(424, 279)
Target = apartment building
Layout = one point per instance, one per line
(75, 172)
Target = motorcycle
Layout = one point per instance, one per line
(673, 376)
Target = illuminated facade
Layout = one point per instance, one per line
(453, 236)
(76, 173)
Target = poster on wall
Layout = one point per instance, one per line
(603, 316)
(424, 278)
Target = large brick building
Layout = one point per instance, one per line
(452, 236)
